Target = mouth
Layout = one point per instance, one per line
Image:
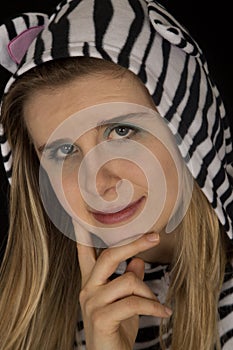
(119, 216)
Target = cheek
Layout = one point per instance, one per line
(65, 186)
(73, 197)
(171, 208)
(170, 164)
(172, 178)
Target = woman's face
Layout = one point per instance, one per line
(47, 113)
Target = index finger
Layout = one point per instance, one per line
(87, 260)
(111, 257)
(86, 252)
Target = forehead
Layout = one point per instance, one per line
(46, 109)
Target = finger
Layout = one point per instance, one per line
(137, 266)
(135, 305)
(121, 287)
(113, 314)
(82, 234)
(110, 258)
(87, 260)
(86, 253)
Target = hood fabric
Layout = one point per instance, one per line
(143, 37)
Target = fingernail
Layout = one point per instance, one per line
(168, 311)
(152, 237)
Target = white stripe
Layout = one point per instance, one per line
(5, 59)
(119, 37)
(225, 324)
(5, 147)
(154, 63)
(228, 345)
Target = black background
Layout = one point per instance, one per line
(210, 24)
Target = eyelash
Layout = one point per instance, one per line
(53, 153)
(110, 129)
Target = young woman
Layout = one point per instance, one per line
(103, 95)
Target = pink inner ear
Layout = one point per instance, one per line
(19, 45)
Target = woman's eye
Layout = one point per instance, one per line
(120, 132)
(66, 149)
(63, 151)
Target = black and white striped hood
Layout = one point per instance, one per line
(143, 37)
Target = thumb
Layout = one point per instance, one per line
(137, 266)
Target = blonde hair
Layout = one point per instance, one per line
(40, 277)
(196, 278)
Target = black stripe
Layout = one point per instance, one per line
(142, 73)
(86, 51)
(225, 337)
(11, 30)
(26, 20)
(202, 133)
(60, 32)
(191, 107)
(184, 40)
(229, 208)
(199, 137)
(219, 142)
(214, 200)
(180, 91)
(166, 16)
(41, 20)
(9, 173)
(227, 225)
(226, 292)
(6, 158)
(3, 139)
(157, 95)
(219, 178)
(224, 311)
(216, 125)
(147, 334)
(189, 39)
(134, 31)
(229, 141)
(201, 177)
(39, 50)
(80, 325)
(226, 195)
(61, 4)
(103, 13)
(5, 76)
(155, 275)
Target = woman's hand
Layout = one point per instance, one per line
(111, 309)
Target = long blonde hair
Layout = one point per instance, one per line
(197, 273)
(40, 277)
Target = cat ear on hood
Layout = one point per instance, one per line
(16, 35)
(168, 27)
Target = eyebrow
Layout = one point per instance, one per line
(121, 118)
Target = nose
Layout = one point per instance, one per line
(107, 180)
(98, 173)
(100, 179)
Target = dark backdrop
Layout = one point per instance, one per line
(209, 23)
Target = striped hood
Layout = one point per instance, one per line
(143, 37)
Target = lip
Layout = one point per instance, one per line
(117, 217)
